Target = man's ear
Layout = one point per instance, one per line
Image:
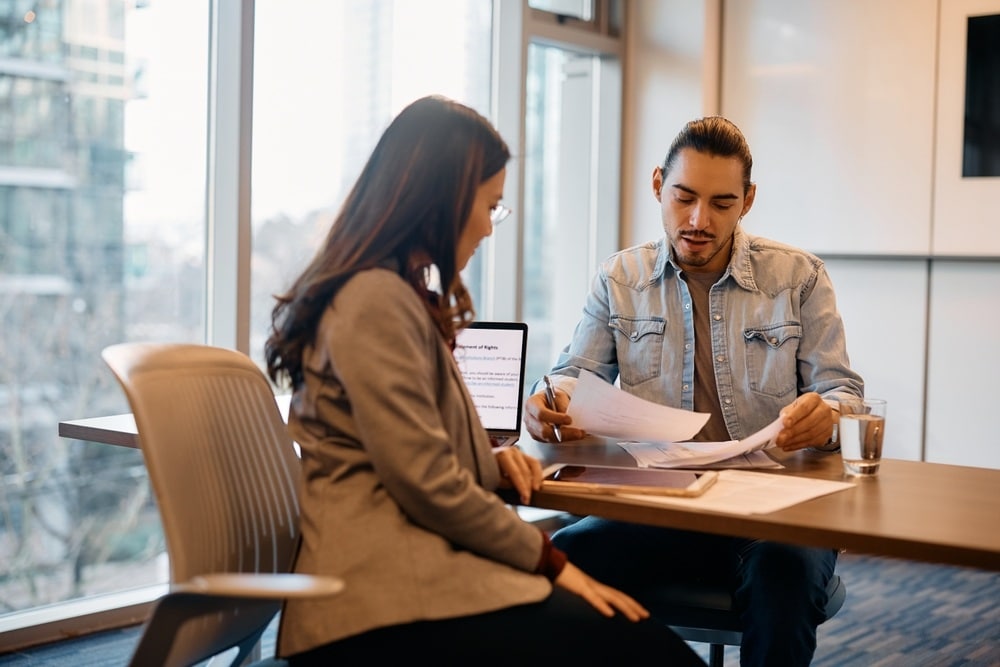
(657, 182)
(748, 200)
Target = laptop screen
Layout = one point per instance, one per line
(491, 358)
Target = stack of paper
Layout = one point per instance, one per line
(745, 492)
(655, 435)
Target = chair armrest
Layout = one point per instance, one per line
(277, 586)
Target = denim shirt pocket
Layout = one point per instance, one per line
(639, 345)
(772, 353)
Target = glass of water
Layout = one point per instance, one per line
(861, 431)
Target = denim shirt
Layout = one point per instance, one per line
(776, 332)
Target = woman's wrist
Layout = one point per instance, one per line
(552, 561)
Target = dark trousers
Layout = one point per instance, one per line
(562, 629)
(779, 589)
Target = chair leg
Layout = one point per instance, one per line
(716, 655)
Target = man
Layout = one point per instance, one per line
(711, 319)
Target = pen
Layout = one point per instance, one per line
(550, 395)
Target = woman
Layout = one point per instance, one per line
(398, 473)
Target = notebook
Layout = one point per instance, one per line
(490, 356)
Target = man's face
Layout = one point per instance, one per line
(702, 201)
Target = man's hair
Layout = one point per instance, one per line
(714, 135)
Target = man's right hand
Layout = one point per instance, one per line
(539, 418)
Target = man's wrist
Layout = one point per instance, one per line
(833, 444)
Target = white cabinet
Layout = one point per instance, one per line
(966, 213)
(884, 307)
(837, 102)
(963, 372)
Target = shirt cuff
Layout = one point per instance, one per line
(552, 560)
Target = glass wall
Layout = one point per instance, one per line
(328, 78)
(102, 144)
(104, 160)
(571, 191)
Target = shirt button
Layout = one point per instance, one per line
(687, 346)
(720, 358)
(687, 306)
(635, 335)
(773, 340)
(717, 317)
(685, 387)
(728, 401)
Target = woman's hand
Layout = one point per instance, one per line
(604, 599)
(520, 471)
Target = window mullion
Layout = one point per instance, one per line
(228, 226)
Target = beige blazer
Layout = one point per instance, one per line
(398, 477)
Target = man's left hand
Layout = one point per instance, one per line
(807, 422)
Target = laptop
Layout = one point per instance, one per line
(491, 357)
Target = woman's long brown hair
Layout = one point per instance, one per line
(409, 206)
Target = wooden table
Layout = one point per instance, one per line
(921, 511)
(113, 430)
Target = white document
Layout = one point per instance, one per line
(690, 454)
(654, 434)
(746, 492)
(603, 409)
(749, 461)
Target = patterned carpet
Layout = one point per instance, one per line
(897, 613)
(904, 614)
(913, 614)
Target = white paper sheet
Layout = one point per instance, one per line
(746, 492)
(685, 454)
(603, 409)
(751, 460)
(654, 434)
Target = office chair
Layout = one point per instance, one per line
(703, 612)
(224, 473)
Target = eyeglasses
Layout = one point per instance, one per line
(499, 213)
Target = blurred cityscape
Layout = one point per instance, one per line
(102, 229)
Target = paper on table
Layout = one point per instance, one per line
(683, 454)
(745, 492)
(750, 460)
(603, 409)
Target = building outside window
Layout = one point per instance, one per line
(102, 135)
(105, 116)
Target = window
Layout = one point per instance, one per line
(108, 231)
(571, 181)
(328, 78)
(102, 228)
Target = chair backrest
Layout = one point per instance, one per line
(223, 468)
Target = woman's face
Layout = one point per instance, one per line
(478, 226)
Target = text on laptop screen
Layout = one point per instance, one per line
(491, 358)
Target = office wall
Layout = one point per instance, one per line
(851, 108)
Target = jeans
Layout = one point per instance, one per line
(778, 589)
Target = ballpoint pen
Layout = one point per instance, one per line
(550, 395)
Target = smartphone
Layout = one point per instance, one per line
(611, 480)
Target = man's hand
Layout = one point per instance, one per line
(807, 422)
(539, 418)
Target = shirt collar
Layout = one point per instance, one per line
(740, 267)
